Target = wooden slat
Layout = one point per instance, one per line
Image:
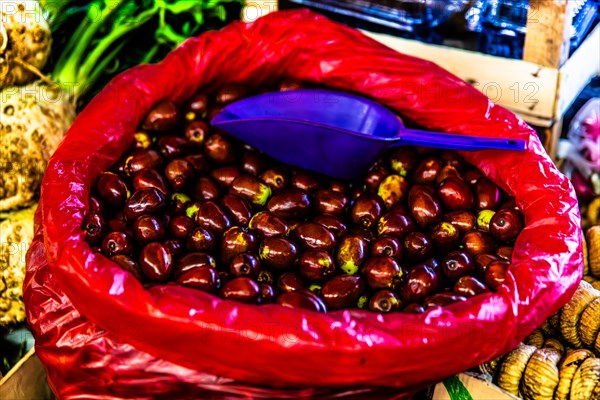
(548, 32)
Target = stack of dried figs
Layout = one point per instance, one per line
(192, 205)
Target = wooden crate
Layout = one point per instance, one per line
(540, 88)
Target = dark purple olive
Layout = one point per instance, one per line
(427, 170)
(375, 176)
(289, 84)
(396, 224)
(205, 188)
(301, 299)
(225, 175)
(141, 140)
(482, 261)
(471, 176)
(163, 116)
(196, 132)
(477, 242)
(175, 246)
(197, 107)
(384, 301)
(243, 289)
(245, 264)
(414, 308)
(382, 272)
(212, 217)
(469, 286)
(417, 247)
(144, 201)
(393, 190)
(181, 227)
(230, 93)
(387, 246)
(278, 253)
(306, 181)
(252, 163)
(219, 149)
(332, 223)
(423, 205)
(203, 278)
(290, 282)
(443, 299)
(96, 205)
(172, 146)
(265, 276)
(368, 234)
(403, 160)
(237, 208)
(422, 281)
(251, 189)
(112, 189)
(200, 163)
(276, 177)
(150, 178)
(453, 159)
(156, 262)
(116, 243)
(148, 228)
(201, 239)
(487, 194)
(316, 265)
(505, 252)
(128, 264)
(351, 253)
(142, 159)
(314, 236)
(179, 173)
(457, 264)
(328, 201)
(444, 237)
(117, 225)
(455, 194)
(495, 274)
(506, 225)
(267, 293)
(236, 240)
(94, 227)
(343, 291)
(191, 261)
(366, 210)
(266, 224)
(464, 221)
(290, 203)
(179, 203)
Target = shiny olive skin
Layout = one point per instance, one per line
(196, 132)
(251, 189)
(212, 217)
(424, 206)
(301, 299)
(181, 226)
(290, 282)
(387, 246)
(96, 205)
(200, 162)
(487, 194)
(198, 106)
(447, 171)
(471, 176)
(179, 172)
(175, 246)
(427, 170)
(495, 274)
(366, 209)
(442, 299)
(225, 175)
(464, 221)
(111, 189)
(204, 278)
(142, 159)
(333, 224)
(238, 208)
(163, 116)
(396, 224)
(191, 261)
(393, 190)
(148, 228)
(267, 293)
(421, 282)
(236, 240)
(469, 286)
(444, 237)
(342, 291)
(205, 188)
(306, 181)
(128, 264)
(172, 146)
(201, 239)
(417, 247)
(150, 178)
(375, 176)
(482, 261)
(219, 149)
(290, 203)
(314, 236)
(316, 265)
(477, 242)
(384, 301)
(230, 93)
(266, 224)
(456, 264)
(278, 253)
(95, 227)
(276, 178)
(245, 264)
(242, 289)
(144, 201)
(328, 201)
(455, 194)
(505, 252)
(506, 224)
(115, 243)
(351, 253)
(382, 272)
(156, 262)
(414, 308)
(403, 161)
(252, 163)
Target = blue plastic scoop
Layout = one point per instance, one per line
(333, 133)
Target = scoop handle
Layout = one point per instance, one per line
(452, 141)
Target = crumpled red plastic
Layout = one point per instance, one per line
(101, 334)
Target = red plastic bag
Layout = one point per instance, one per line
(98, 331)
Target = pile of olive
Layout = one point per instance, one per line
(192, 205)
